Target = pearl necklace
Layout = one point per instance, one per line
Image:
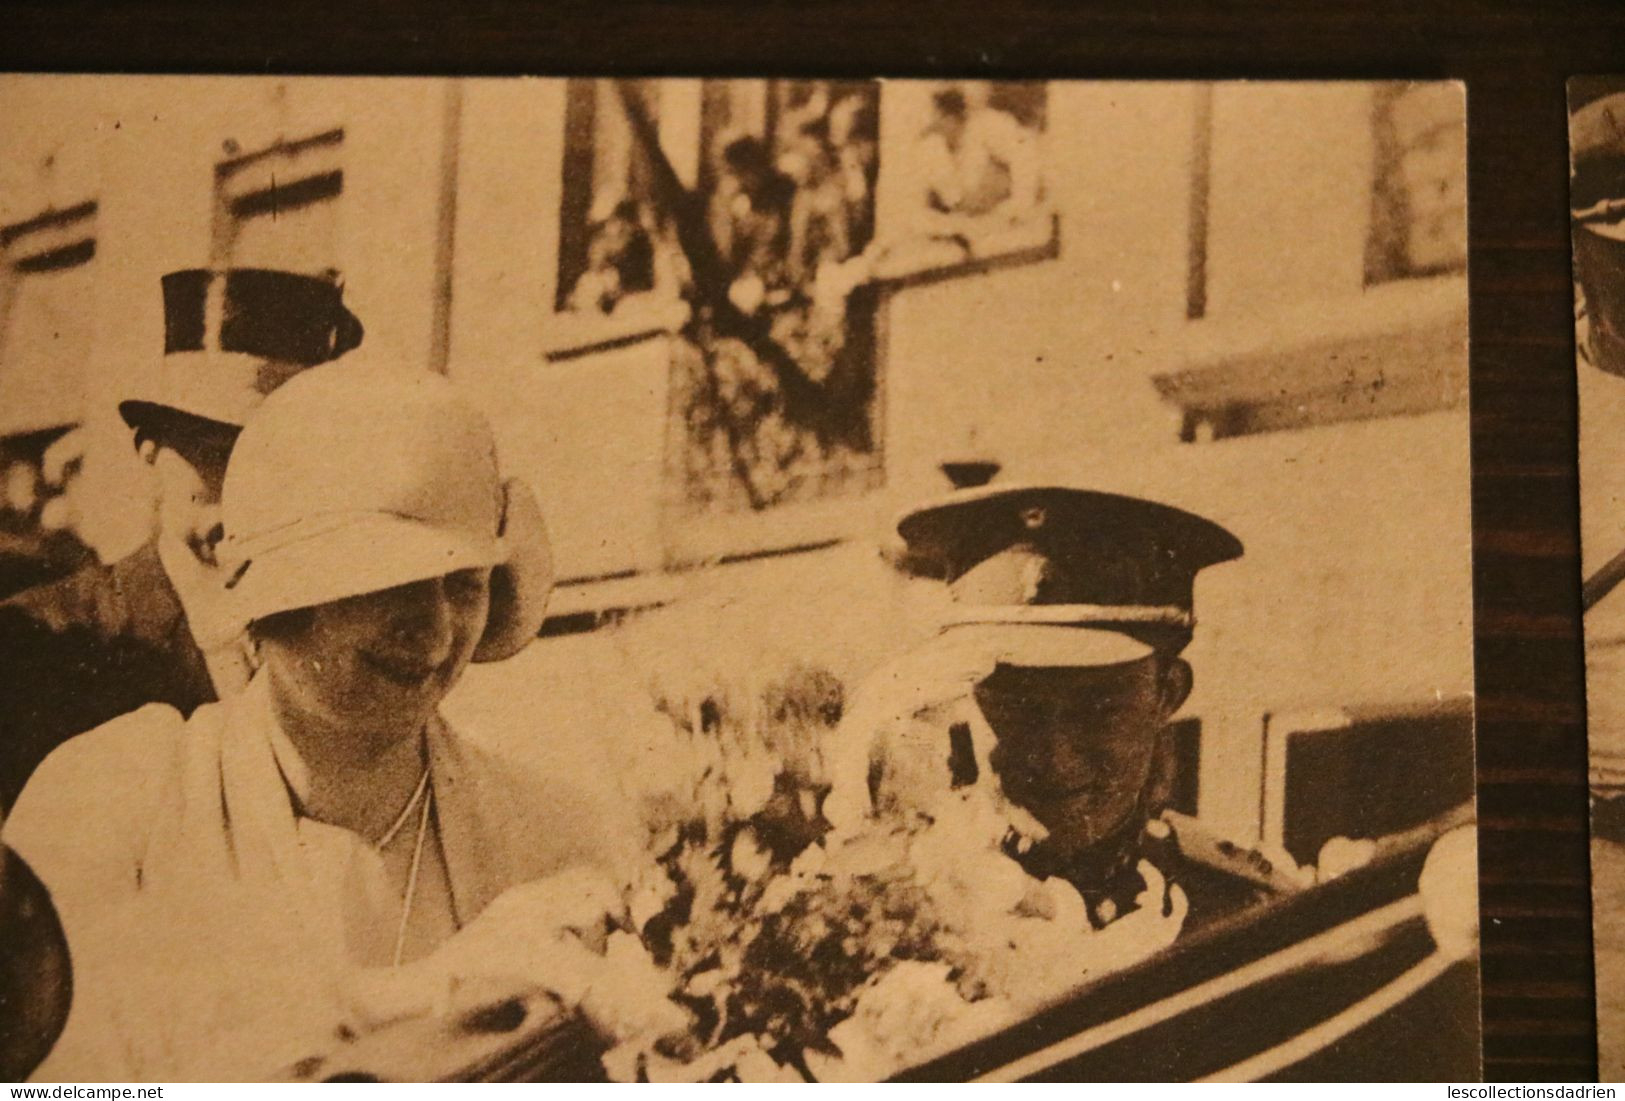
(421, 792)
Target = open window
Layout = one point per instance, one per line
(775, 397)
(619, 268)
(965, 178)
(757, 226)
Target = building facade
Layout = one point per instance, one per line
(1248, 299)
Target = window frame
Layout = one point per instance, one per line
(52, 241)
(320, 180)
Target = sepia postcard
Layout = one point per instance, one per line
(678, 580)
(1597, 201)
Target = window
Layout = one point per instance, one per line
(611, 231)
(45, 317)
(1419, 197)
(1395, 347)
(274, 208)
(767, 267)
(755, 268)
(789, 170)
(46, 324)
(965, 175)
(774, 389)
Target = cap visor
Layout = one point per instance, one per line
(1051, 646)
(370, 555)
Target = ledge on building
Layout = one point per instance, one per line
(585, 604)
(576, 334)
(1396, 349)
(707, 538)
(934, 260)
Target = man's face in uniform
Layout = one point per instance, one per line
(1077, 746)
(188, 457)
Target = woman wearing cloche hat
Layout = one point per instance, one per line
(221, 877)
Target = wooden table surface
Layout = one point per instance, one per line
(1515, 58)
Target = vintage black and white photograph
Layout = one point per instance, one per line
(686, 580)
(1597, 192)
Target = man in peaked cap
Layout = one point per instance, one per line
(148, 628)
(1057, 668)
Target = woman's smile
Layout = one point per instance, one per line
(408, 672)
(378, 662)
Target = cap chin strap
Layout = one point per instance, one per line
(1071, 615)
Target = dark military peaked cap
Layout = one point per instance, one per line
(1042, 570)
(233, 336)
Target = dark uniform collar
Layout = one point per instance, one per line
(1107, 876)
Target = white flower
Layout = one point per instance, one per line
(779, 892)
(650, 891)
(1449, 902)
(706, 983)
(747, 858)
(747, 293)
(908, 1015)
(627, 994)
(810, 861)
(744, 1055)
(751, 776)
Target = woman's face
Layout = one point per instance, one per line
(381, 662)
(1076, 746)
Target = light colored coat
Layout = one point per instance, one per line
(204, 946)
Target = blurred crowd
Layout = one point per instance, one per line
(793, 211)
(38, 509)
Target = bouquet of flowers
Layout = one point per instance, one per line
(801, 950)
(774, 928)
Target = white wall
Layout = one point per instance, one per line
(1356, 586)
(586, 433)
